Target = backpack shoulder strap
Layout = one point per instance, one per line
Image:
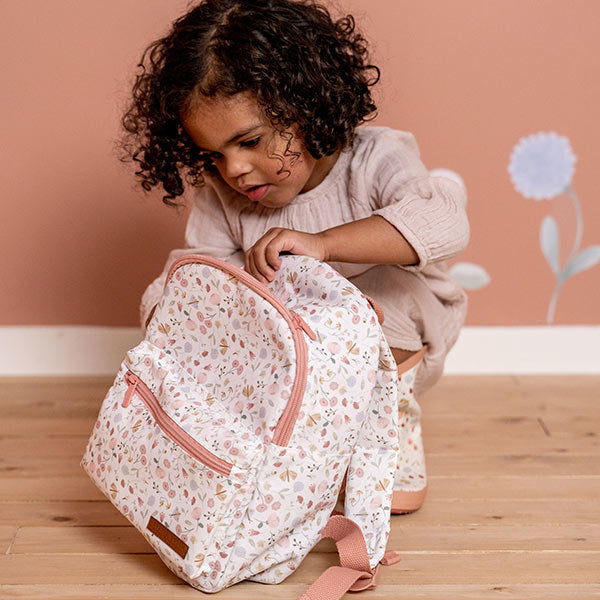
(355, 573)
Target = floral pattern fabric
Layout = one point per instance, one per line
(219, 364)
(411, 473)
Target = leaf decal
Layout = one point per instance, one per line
(113, 490)
(224, 346)
(549, 242)
(584, 260)
(469, 275)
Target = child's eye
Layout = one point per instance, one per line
(251, 143)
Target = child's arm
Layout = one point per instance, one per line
(367, 241)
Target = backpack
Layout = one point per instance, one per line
(230, 428)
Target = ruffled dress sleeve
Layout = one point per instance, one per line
(430, 212)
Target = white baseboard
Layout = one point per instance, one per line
(79, 350)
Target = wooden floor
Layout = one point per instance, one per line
(513, 509)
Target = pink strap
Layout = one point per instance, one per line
(335, 582)
(355, 574)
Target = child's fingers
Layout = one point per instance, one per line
(260, 262)
(272, 255)
(254, 269)
(251, 267)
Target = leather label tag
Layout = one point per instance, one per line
(168, 537)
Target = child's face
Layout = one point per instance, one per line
(246, 160)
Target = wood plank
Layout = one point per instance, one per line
(507, 512)
(52, 568)
(575, 434)
(532, 464)
(35, 390)
(287, 591)
(405, 535)
(49, 397)
(514, 395)
(41, 427)
(419, 568)
(507, 487)
(7, 535)
(61, 513)
(32, 446)
(80, 540)
(565, 426)
(69, 485)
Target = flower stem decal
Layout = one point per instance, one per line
(541, 167)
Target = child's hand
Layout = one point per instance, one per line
(262, 260)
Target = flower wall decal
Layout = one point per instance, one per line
(541, 166)
(469, 275)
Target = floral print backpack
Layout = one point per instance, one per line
(230, 428)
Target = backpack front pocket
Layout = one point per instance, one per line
(171, 459)
(137, 387)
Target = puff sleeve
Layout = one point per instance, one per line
(207, 232)
(430, 212)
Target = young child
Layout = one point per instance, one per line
(257, 105)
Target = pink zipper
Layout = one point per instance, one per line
(285, 426)
(136, 386)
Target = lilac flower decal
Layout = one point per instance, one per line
(541, 166)
(469, 275)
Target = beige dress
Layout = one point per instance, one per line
(381, 174)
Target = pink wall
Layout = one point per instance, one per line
(80, 242)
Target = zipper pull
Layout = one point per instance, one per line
(132, 382)
(301, 324)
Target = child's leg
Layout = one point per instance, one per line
(410, 483)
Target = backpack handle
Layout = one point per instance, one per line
(355, 574)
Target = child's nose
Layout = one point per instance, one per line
(237, 167)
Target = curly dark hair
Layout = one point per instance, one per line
(303, 67)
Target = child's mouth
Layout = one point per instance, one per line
(257, 193)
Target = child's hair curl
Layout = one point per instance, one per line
(303, 67)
